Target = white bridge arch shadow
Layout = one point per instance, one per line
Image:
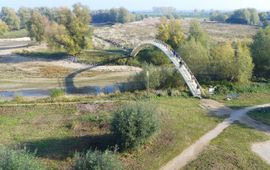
(178, 62)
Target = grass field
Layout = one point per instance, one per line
(261, 115)
(56, 132)
(245, 100)
(231, 150)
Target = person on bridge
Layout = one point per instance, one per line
(181, 63)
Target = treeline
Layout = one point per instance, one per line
(61, 28)
(227, 61)
(242, 16)
(114, 15)
(11, 19)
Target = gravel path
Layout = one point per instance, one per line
(195, 149)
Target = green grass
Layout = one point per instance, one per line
(58, 131)
(101, 56)
(245, 100)
(231, 150)
(15, 34)
(182, 123)
(261, 115)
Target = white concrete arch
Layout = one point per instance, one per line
(178, 62)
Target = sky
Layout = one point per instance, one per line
(144, 4)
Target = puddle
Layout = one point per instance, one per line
(92, 90)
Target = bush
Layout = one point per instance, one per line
(54, 93)
(133, 124)
(159, 78)
(153, 56)
(96, 160)
(18, 160)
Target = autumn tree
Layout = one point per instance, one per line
(8, 15)
(72, 31)
(3, 27)
(170, 31)
(36, 26)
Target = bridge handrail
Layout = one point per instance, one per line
(178, 56)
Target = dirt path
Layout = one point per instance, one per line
(195, 149)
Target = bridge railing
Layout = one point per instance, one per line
(178, 56)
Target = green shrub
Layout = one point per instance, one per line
(96, 160)
(54, 93)
(134, 123)
(18, 160)
(18, 98)
(159, 78)
(153, 56)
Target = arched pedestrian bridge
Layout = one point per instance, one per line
(178, 62)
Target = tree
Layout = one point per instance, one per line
(243, 65)
(124, 16)
(254, 17)
(260, 49)
(72, 31)
(263, 16)
(196, 56)
(218, 16)
(222, 57)
(197, 33)
(244, 16)
(25, 15)
(3, 27)
(170, 31)
(63, 16)
(36, 26)
(8, 15)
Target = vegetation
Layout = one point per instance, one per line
(25, 16)
(36, 26)
(3, 27)
(158, 78)
(96, 160)
(133, 124)
(170, 31)
(218, 16)
(71, 31)
(114, 15)
(8, 15)
(244, 16)
(153, 56)
(18, 160)
(196, 56)
(54, 93)
(15, 34)
(261, 115)
(241, 16)
(260, 49)
(208, 61)
(57, 131)
(231, 150)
